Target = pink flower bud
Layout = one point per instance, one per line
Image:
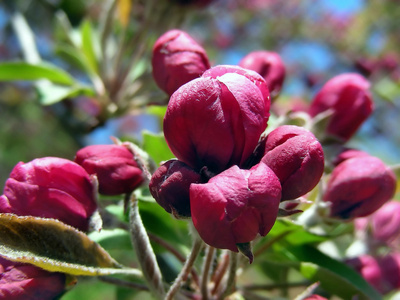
(256, 78)
(215, 122)
(235, 205)
(368, 267)
(50, 187)
(170, 185)
(23, 281)
(359, 186)
(384, 223)
(114, 166)
(269, 65)
(315, 297)
(296, 157)
(348, 96)
(176, 60)
(390, 269)
(347, 154)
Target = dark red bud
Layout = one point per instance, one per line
(177, 59)
(215, 122)
(50, 187)
(296, 157)
(350, 100)
(23, 281)
(235, 206)
(170, 185)
(359, 186)
(269, 65)
(114, 166)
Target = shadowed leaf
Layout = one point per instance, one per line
(54, 246)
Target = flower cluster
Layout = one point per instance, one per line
(227, 177)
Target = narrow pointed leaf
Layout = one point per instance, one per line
(19, 70)
(54, 246)
(334, 276)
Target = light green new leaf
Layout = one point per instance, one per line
(55, 246)
(88, 46)
(51, 93)
(19, 70)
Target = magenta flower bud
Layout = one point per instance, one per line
(369, 268)
(114, 166)
(315, 297)
(50, 187)
(348, 96)
(256, 78)
(235, 205)
(385, 222)
(269, 65)
(23, 281)
(390, 269)
(215, 122)
(170, 185)
(347, 154)
(358, 187)
(296, 157)
(177, 59)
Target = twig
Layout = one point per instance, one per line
(124, 283)
(183, 275)
(144, 251)
(206, 271)
(230, 283)
(220, 272)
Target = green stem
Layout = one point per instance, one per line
(183, 275)
(144, 251)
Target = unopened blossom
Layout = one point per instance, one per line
(369, 268)
(347, 154)
(216, 121)
(170, 185)
(296, 157)
(358, 187)
(315, 297)
(20, 281)
(253, 76)
(384, 224)
(177, 59)
(390, 269)
(269, 65)
(349, 99)
(50, 187)
(114, 166)
(235, 206)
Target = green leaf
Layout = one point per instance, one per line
(54, 246)
(334, 276)
(19, 70)
(88, 46)
(156, 220)
(387, 89)
(156, 146)
(51, 93)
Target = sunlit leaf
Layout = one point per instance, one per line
(88, 46)
(11, 71)
(54, 246)
(51, 93)
(156, 146)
